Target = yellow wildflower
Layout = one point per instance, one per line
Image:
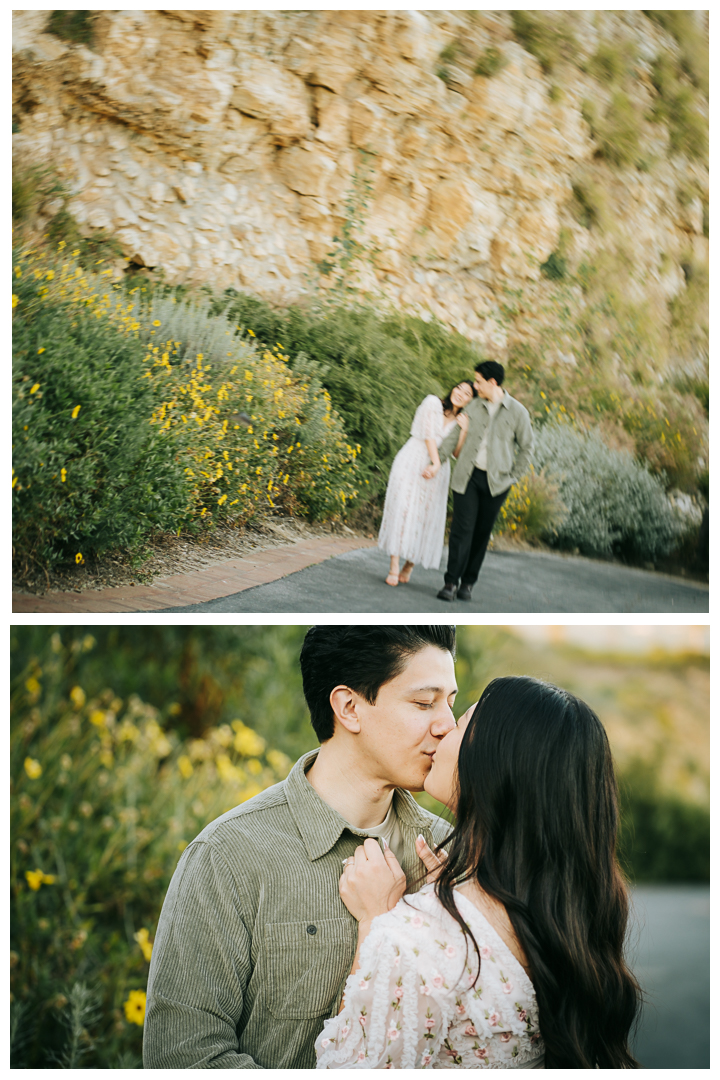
(42, 350)
(75, 411)
(36, 878)
(185, 766)
(97, 717)
(135, 1007)
(63, 476)
(16, 300)
(146, 946)
(79, 558)
(157, 323)
(34, 389)
(33, 768)
(77, 696)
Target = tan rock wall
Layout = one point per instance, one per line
(220, 145)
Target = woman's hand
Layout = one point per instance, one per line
(431, 471)
(372, 881)
(433, 863)
(462, 421)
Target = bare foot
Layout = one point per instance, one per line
(406, 572)
(391, 579)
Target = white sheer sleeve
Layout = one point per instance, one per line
(427, 422)
(398, 1005)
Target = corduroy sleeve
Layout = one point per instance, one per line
(199, 970)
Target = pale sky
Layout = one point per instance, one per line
(623, 638)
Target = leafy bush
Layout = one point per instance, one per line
(377, 368)
(72, 26)
(677, 107)
(490, 61)
(89, 472)
(554, 267)
(103, 802)
(694, 53)
(619, 134)
(662, 837)
(611, 62)
(532, 510)
(121, 428)
(614, 505)
(546, 35)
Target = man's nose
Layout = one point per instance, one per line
(443, 724)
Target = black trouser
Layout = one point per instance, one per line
(474, 515)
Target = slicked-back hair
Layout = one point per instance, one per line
(537, 820)
(362, 658)
(490, 369)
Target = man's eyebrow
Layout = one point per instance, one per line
(430, 689)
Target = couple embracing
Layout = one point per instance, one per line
(331, 922)
(490, 435)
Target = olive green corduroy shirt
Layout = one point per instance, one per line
(254, 943)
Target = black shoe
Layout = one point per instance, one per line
(465, 592)
(448, 592)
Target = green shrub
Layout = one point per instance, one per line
(590, 204)
(89, 472)
(554, 267)
(72, 26)
(612, 63)
(614, 505)
(677, 107)
(619, 133)
(662, 837)
(31, 186)
(103, 802)
(533, 509)
(375, 378)
(546, 35)
(490, 61)
(694, 52)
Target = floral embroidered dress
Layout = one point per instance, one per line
(412, 1005)
(413, 524)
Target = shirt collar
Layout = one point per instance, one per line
(319, 825)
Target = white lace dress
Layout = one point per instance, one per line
(412, 1005)
(413, 523)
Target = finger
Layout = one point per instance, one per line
(373, 852)
(428, 856)
(361, 853)
(393, 865)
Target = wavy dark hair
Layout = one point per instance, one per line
(537, 821)
(447, 403)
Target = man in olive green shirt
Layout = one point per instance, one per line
(495, 454)
(254, 944)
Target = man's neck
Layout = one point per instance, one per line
(497, 395)
(341, 782)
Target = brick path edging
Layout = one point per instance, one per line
(219, 579)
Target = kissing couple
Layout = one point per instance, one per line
(331, 922)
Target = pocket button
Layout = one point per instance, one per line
(312, 929)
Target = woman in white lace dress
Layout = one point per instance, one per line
(413, 523)
(512, 957)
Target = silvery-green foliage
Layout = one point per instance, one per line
(614, 505)
(191, 325)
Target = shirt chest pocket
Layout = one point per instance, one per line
(307, 962)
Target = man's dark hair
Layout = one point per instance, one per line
(490, 369)
(361, 657)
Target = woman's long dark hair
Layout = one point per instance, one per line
(537, 820)
(447, 403)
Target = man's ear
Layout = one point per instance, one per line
(342, 701)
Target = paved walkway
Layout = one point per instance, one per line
(218, 580)
(511, 581)
(347, 575)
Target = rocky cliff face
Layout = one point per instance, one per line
(221, 146)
